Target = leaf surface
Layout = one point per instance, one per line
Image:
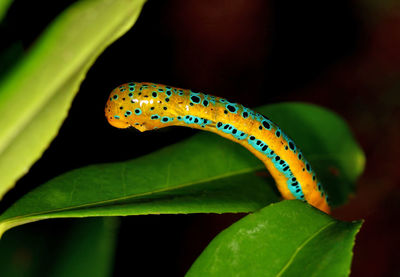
(36, 95)
(289, 238)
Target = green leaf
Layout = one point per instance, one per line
(36, 95)
(4, 5)
(205, 173)
(289, 238)
(84, 249)
(88, 249)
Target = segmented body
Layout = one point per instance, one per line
(147, 106)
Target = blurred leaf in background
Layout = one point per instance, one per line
(85, 248)
(36, 95)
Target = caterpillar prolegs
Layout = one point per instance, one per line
(147, 106)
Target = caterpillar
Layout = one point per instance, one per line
(147, 106)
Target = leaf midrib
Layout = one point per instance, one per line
(297, 251)
(134, 196)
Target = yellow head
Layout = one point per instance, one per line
(143, 106)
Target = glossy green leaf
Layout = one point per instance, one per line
(205, 173)
(85, 247)
(289, 238)
(36, 95)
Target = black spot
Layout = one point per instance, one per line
(160, 90)
(308, 167)
(282, 162)
(166, 99)
(225, 111)
(179, 117)
(196, 120)
(121, 108)
(264, 148)
(260, 127)
(115, 96)
(278, 133)
(258, 142)
(231, 108)
(286, 168)
(272, 152)
(295, 184)
(152, 108)
(165, 119)
(242, 134)
(252, 138)
(165, 108)
(191, 104)
(205, 103)
(304, 169)
(277, 158)
(219, 124)
(139, 93)
(123, 99)
(226, 127)
(297, 190)
(266, 125)
(245, 114)
(195, 99)
(169, 93)
(291, 145)
(294, 179)
(154, 94)
(299, 156)
(286, 148)
(234, 131)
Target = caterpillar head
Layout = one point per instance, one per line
(138, 105)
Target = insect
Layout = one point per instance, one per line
(147, 106)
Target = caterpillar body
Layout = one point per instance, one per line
(147, 106)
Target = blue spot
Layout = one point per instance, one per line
(166, 119)
(230, 129)
(138, 111)
(231, 107)
(281, 165)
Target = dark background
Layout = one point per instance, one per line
(343, 55)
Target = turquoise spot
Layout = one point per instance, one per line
(138, 111)
(281, 165)
(130, 94)
(155, 116)
(154, 94)
(128, 113)
(191, 119)
(231, 107)
(166, 119)
(132, 89)
(230, 129)
(116, 116)
(115, 96)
